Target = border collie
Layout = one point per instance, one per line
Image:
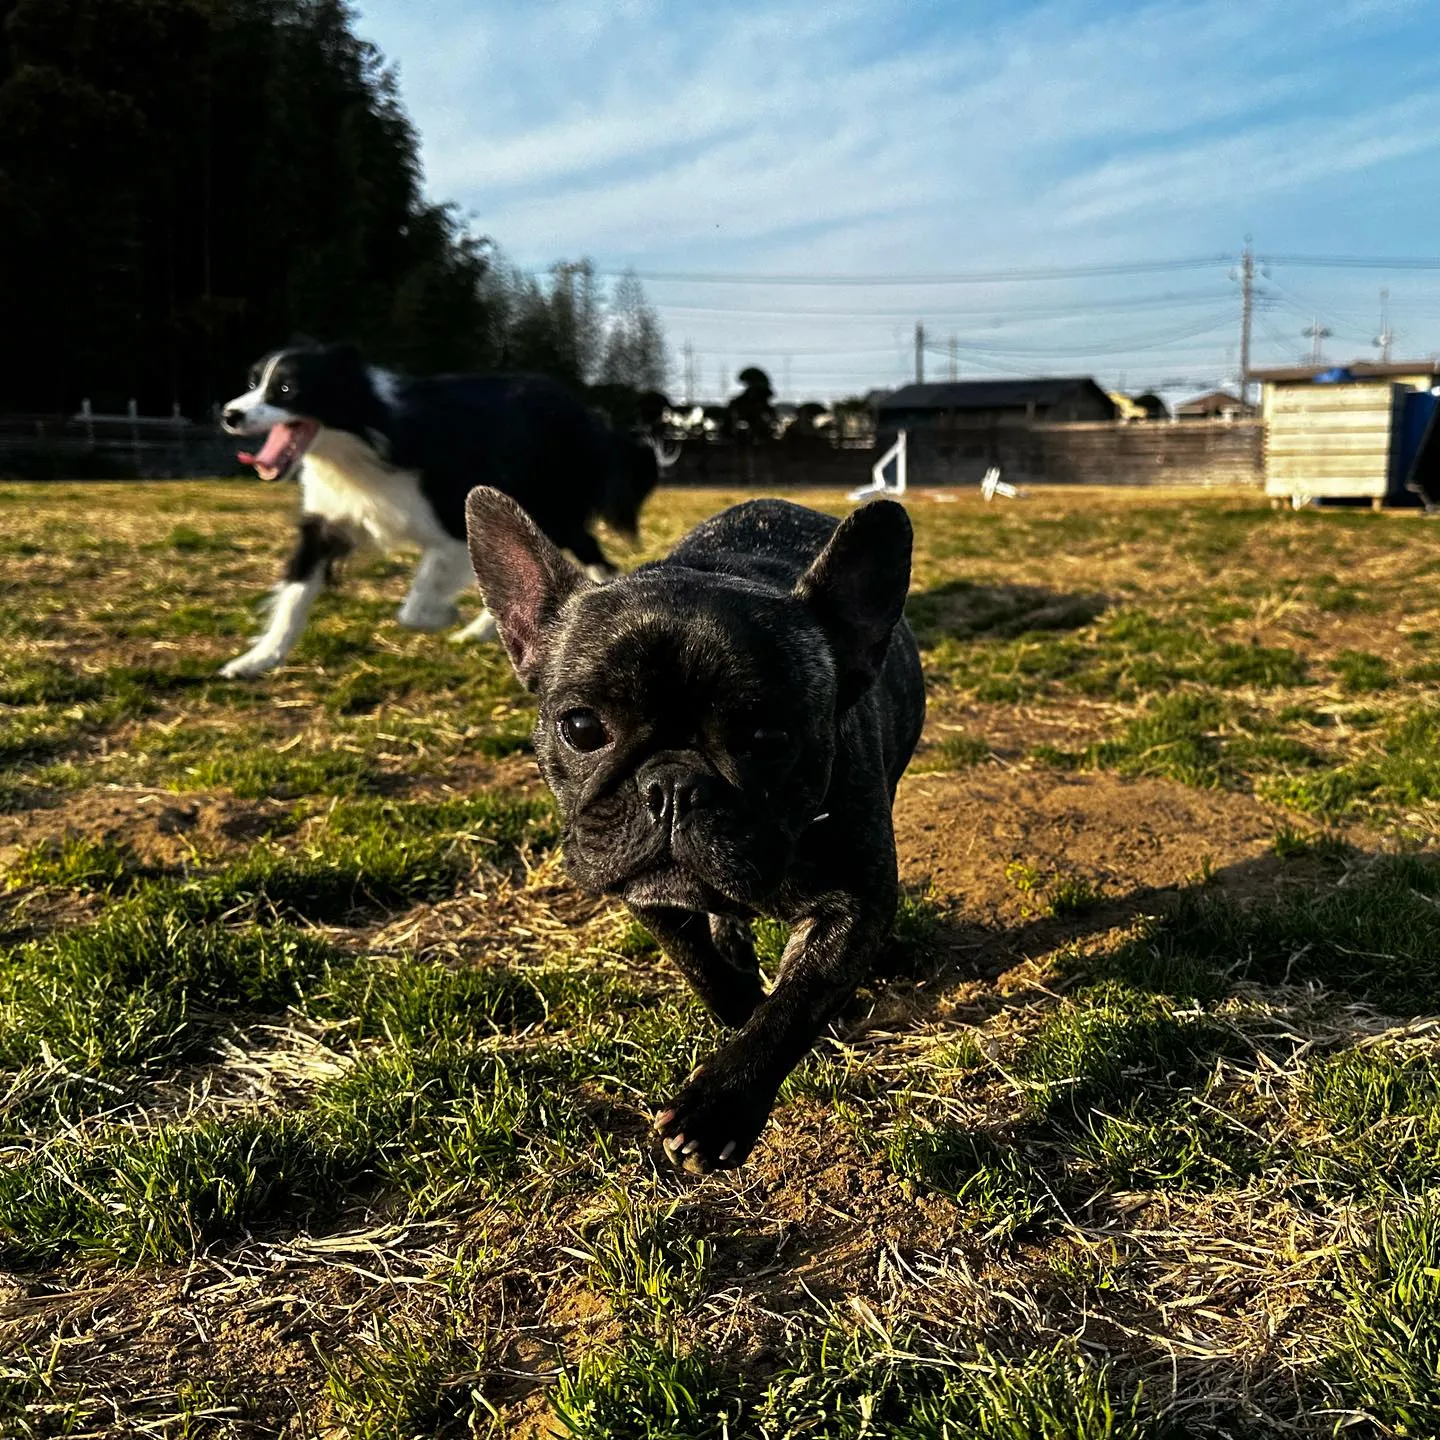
(384, 460)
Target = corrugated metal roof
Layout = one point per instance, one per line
(990, 394)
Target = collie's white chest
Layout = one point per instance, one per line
(343, 479)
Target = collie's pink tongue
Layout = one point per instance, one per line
(278, 450)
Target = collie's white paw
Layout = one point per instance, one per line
(249, 665)
(420, 618)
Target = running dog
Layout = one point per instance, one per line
(386, 461)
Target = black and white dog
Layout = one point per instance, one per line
(384, 460)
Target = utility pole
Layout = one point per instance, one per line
(689, 373)
(954, 357)
(1386, 337)
(1247, 314)
(919, 352)
(1317, 333)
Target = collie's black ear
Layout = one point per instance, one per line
(523, 578)
(856, 588)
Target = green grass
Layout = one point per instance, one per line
(1361, 673)
(1195, 737)
(645, 1261)
(1125, 655)
(1001, 1184)
(405, 1380)
(1386, 1355)
(267, 774)
(1401, 773)
(140, 984)
(850, 1385)
(1376, 938)
(432, 1124)
(645, 1390)
(1157, 1145)
(74, 862)
(329, 1063)
(144, 983)
(1380, 1113)
(1113, 1043)
(952, 752)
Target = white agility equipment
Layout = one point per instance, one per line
(992, 485)
(878, 485)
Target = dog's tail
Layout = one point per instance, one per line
(633, 473)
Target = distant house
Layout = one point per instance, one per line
(1215, 405)
(967, 405)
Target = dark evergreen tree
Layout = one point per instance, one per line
(185, 183)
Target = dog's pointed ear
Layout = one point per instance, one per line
(856, 588)
(523, 578)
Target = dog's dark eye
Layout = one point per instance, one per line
(581, 730)
(283, 388)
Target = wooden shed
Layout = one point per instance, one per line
(1330, 433)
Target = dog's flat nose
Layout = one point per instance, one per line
(232, 417)
(672, 796)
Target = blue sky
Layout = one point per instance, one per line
(877, 139)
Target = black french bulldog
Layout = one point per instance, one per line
(723, 730)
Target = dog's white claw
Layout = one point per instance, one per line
(674, 1143)
(728, 1151)
(691, 1148)
(664, 1118)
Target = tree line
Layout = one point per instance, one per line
(185, 184)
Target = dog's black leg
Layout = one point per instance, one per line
(318, 548)
(714, 953)
(720, 1112)
(586, 549)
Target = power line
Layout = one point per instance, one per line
(1013, 274)
(974, 277)
(1050, 310)
(1354, 262)
(1138, 342)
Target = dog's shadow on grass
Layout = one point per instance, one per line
(935, 948)
(963, 610)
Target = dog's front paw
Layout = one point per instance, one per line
(714, 1122)
(249, 665)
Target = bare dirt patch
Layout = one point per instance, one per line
(961, 832)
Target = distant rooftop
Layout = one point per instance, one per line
(990, 394)
(1211, 402)
(1360, 369)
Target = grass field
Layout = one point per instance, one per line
(325, 1102)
